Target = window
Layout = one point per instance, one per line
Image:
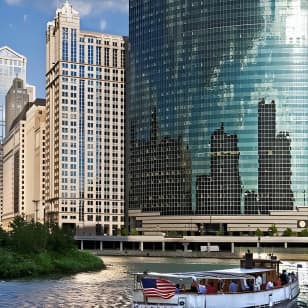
(73, 45)
(98, 55)
(106, 57)
(90, 54)
(65, 44)
(115, 57)
(81, 53)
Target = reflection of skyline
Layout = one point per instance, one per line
(274, 166)
(205, 69)
(220, 192)
(161, 177)
(162, 174)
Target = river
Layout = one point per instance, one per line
(111, 287)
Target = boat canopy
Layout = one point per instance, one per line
(240, 273)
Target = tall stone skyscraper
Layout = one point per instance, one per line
(85, 93)
(202, 63)
(16, 99)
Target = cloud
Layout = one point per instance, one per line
(85, 8)
(103, 24)
(25, 17)
(13, 2)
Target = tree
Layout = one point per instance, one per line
(133, 231)
(28, 237)
(289, 232)
(272, 230)
(124, 231)
(4, 238)
(304, 232)
(259, 232)
(60, 240)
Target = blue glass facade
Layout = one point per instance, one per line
(212, 69)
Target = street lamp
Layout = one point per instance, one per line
(36, 209)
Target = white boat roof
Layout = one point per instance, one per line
(235, 273)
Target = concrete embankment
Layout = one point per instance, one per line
(291, 254)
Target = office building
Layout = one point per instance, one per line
(85, 93)
(12, 65)
(1, 183)
(202, 63)
(16, 99)
(24, 166)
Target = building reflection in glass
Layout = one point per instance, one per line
(220, 192)
(201, 63)
(162, 174)
(274, 169)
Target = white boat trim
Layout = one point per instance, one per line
(284, 294)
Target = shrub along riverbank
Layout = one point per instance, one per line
(33, 249)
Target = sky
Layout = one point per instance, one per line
(23, 25)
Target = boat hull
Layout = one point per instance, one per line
(279, 297)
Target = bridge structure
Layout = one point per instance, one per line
(188, 244)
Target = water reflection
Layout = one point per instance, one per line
(111, 287)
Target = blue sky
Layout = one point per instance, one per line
(23, 25)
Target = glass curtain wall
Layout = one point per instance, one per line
(217, 115)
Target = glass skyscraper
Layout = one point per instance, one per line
(220, 87)
(12, 65)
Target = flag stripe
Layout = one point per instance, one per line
(158, 288)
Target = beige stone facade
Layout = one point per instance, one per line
(154, 223)
(23, 166)
(85, 96)
(1, 183)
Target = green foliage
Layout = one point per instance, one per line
(16, 265)
(133, 231)
(303, 233)
(4, 238)
(124, 231)
(60, 240)
(28, 237)
(272, 230)
(17, 223)
(289, 232)
(33, 249)
(259, 232)
(77, 261)
(219, 232)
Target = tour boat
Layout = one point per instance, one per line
(256, 283)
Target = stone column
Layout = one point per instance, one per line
(163, 246)
(81, 245)
(141, 246)
(101, 245)
(121, 246)
(232, 247)
(185, 246)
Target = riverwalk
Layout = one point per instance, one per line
(291, 248)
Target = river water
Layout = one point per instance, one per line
(112, 287)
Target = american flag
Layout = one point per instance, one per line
(158, 287)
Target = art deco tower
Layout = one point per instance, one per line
(85, 89)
